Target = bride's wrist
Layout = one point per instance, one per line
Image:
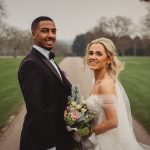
(93, 131)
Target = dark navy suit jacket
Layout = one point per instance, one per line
(45, 96)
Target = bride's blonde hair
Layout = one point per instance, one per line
(115, 65)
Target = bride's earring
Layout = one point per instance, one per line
(109, 66)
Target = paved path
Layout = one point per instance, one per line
(10, 138)
(73, 66)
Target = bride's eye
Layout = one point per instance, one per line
(90, 53)
(98, 53)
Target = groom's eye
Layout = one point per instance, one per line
(44, 30)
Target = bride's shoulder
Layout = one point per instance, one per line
(107, 86)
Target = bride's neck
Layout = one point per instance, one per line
(100, 74)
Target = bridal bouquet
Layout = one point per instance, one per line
(77, 116)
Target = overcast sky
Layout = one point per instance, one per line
(72, 17)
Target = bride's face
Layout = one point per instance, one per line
(97, 58)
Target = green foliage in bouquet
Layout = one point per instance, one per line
(83, 131)
(77, 115)
(75, 94)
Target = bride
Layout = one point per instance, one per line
(113, 128)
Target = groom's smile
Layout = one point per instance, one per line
(45, 35)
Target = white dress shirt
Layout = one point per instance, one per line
(46, 54)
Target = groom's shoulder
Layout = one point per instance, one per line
(28, 61)
(30, 58)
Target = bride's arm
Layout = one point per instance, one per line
(110, 110)
(110, 122)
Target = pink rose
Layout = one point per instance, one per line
(75, 115)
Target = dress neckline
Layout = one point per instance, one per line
(101, 95)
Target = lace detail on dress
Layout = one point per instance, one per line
(98, 102)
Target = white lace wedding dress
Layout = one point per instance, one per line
(120, 138)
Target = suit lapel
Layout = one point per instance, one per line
(65, 81)
(49, 64)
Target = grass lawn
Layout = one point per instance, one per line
(135, 79)
(10, 95)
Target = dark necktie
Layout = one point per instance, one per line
(51, 55)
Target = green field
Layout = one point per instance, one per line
(135, 79)
(10, 95)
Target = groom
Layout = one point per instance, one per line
(45, 90)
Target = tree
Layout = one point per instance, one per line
(146, 24)
(145, 0)
(79, 45)
(2, 10)
(15, 42)
(145, 30)
(61, 48)
(119, 26)
(124, 43)
(146, 45)
(117, 29)
(101, 29)
(2, 15)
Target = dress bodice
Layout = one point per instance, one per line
(96, 103)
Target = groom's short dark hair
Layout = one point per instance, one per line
(36, 21)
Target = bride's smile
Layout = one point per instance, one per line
(97, 57)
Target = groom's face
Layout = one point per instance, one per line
(45, 34)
